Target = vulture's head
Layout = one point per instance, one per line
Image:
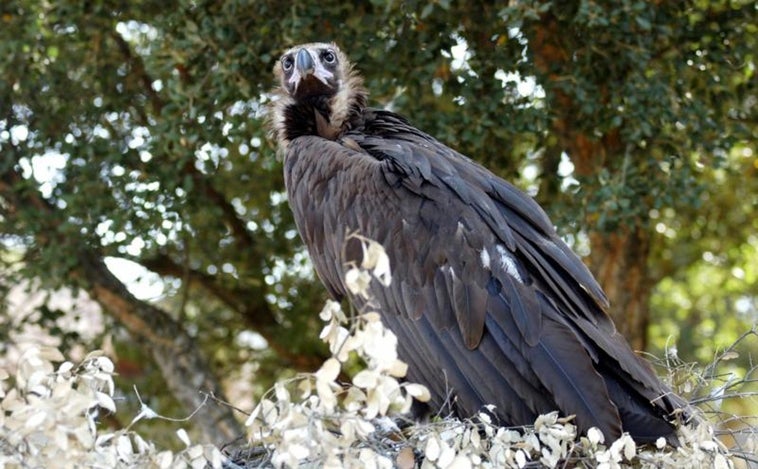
(318, 92)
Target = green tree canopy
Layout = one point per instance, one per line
(137, 131)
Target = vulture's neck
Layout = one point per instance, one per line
(325, 116)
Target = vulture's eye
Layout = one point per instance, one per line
(287, 63)
(328, 57)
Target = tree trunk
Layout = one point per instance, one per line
(185, 370)
(618, 259)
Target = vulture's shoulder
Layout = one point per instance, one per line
(463, 193)
(398, 185)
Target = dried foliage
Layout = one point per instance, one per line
(49, 418)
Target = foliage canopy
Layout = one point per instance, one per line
(137, 131)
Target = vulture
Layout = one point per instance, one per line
(492, 310)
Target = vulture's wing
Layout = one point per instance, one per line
(484, 294)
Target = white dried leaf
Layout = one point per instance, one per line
(164, 459)
(65, 367)
(50, 354)
(336, 341)
(720, 462)
(326, 394)
(708, 445)
(354, 399)
(432, 449)
(269, 412)
(387, 392)
(298, 451)
(105, 364)
(140, 444)
(595, 436)
(347, 430)
(41, 390)
(520, 458)
(328, 331)
(305, 387)
(603, 457)
(730, 355)
(447, 454)
(367, 458)
(380, 347)
(364, 428)
(398, 369)
(371, 409)
(124, 448)
(214, 457)
(105, 401)
(331, 309)
(93, 354)
(460, 462)
(630, 448)
(36, 419)
(103, 440)
(418, 391)
(358, 281)
(366, 379)
(375, 259)
(36, 377)
(281, 393)
(183, 436)
(332, 462)
(85, 437)
(61, 438)
(475, 440)
(195, 452)
(371, 317)
(329, 370)
(198, 463)
(253, 415)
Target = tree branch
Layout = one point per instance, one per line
(182, 364)
(250, 305)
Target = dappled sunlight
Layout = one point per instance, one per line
(143, 210)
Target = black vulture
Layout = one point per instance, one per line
(489, 305)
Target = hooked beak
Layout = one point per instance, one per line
(309, 77)
(304, 63)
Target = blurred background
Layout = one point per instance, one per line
(142, 205)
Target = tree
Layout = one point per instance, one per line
(154, 116)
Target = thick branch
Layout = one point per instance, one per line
(251, 306)
(183, 366)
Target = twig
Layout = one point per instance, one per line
(147, 413)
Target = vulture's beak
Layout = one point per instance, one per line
(309, 76)
(304, 63)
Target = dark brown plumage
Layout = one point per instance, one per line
(488, 304)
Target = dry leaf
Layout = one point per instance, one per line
(405, 458)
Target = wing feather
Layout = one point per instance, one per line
(576, 385)
(526, 331)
